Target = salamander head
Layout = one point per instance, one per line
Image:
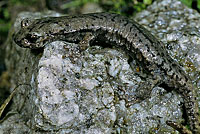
(30, 36)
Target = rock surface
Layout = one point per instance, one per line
(95, 91)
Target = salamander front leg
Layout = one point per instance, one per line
(87, 39)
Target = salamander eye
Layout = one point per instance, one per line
(25, 23)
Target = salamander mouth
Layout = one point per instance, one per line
(32, 38)
(29, 41)
(33, 45)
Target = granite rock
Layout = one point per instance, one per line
(95, 91)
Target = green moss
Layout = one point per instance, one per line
(23, 2)
(126, 7)
(198, 4)
(187, 2)
(77, 3)
(4, 21)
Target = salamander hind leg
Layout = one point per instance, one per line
(179, 127)
(192, 110)
(138, 94)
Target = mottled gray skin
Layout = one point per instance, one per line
(121, 32)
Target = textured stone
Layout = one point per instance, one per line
(95, 91)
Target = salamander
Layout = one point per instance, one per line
(122, 32)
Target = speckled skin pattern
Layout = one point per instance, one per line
(121, 32)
